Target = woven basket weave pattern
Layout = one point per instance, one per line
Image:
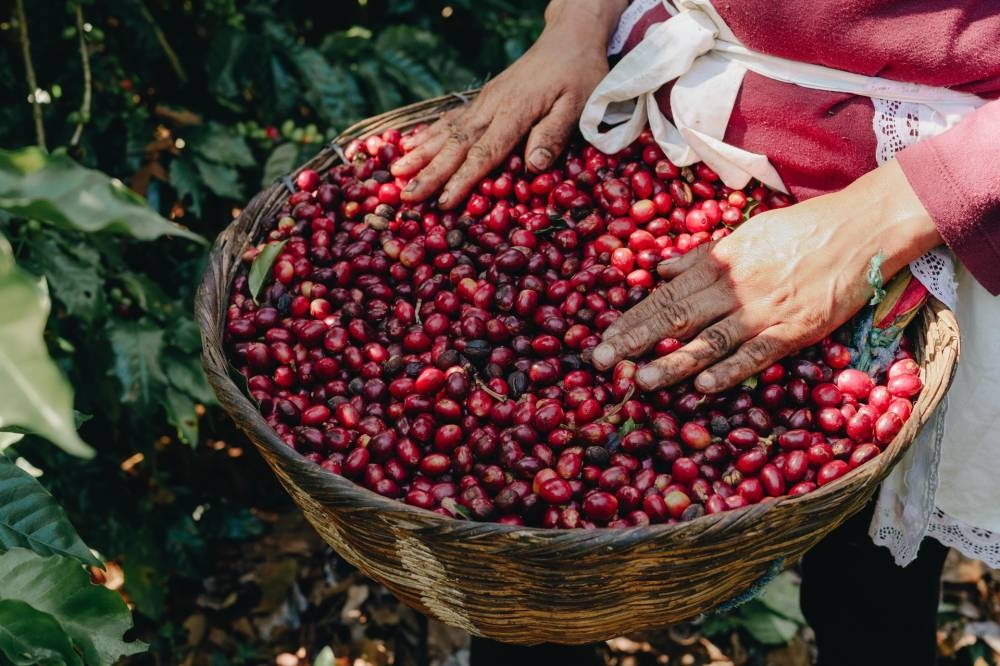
(529, 585)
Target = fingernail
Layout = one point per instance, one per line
(444, 198)
(604, 355)
(540, 158)
(666, 264)
(648, 376)
(412, 185)
(705, 383)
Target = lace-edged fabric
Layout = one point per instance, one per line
(906, 510)
(970, 540)
(630, 17)
(898, 125)
(936, 271)
(906, 498)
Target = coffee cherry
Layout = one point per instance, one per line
(442, 358)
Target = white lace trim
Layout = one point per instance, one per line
(972, 541)
(936, 271)
(906, 510)
(630, 17)
(906, 498)
(898, 125)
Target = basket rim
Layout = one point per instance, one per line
(239, 406)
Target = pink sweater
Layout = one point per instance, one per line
(820, 142)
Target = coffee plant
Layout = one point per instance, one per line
(129, 132)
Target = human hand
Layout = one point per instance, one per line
(544, 91)
(781, 281)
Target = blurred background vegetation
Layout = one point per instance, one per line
(196, 106)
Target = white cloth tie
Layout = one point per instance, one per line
(696, 50)
(700, 53)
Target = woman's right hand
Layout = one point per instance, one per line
(543, 92)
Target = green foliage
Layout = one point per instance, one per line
(57, 190)
(195, 107)
(280, 162)
(29, 636)
(137, 346)
(31, 518)
(34, 395)
(65, 605)
(773, 618)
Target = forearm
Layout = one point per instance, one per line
(892, 217)
(586, 19)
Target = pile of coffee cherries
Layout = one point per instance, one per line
(439, 358)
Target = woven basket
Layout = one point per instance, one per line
(529, 585)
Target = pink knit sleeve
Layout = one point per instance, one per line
(956, 175)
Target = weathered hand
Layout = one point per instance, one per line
(781, 281)
(543, 92)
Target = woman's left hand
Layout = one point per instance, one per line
(782, 281)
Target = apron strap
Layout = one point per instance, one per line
(697, 50)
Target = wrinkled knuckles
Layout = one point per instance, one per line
(719, 341)
(457, 134)
(631, 342)
(480, 154)
(760, 350)
(673, 317)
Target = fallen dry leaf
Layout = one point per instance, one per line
(715, 654)
(796, 653)
(275, 580)
(962, 570)
(195, 626)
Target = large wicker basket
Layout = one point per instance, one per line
(527, 585)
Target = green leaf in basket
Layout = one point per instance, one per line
(627, 427)
(455, 508)
(31, 518)
(261, 266)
